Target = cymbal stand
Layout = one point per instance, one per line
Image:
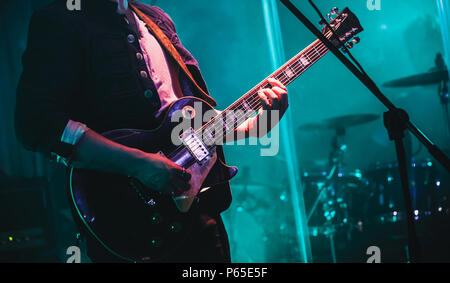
(444, 97)
(336, 162)
(322, 190)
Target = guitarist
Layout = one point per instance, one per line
(101, 68)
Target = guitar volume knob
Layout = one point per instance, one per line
(156, 218)
(156, 242)
(175, 227)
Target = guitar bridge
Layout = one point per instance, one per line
(195, 145)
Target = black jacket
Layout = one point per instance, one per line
(82, 66)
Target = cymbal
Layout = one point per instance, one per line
(341, 122)
(433, 77)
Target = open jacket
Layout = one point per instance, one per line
(82, 66)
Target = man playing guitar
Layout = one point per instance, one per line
(102, 68)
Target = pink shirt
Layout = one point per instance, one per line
(163, 70)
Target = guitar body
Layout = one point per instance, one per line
(135, 223)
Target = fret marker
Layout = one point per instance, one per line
(317, 51)
(289, 73)
(305, 61)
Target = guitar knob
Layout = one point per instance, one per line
(156, 218)
(156, 242)
(349, 45)
(356, 40)
(335, 11)
(175, 227)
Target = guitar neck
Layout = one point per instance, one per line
(250, 102)
(290, 71)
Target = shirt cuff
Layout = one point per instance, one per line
(72, 134)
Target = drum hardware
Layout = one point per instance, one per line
(322, 189)
(352, 203)
(437, 76)
(334, 188)
(393, 116)
(429, 189)
(336, 157)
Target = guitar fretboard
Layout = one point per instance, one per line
(249, 104)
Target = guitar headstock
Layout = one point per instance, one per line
(345, 25)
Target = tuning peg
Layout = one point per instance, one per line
(349, 45)
(356, 40)
(335, 11)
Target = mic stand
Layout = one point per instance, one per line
(398, 122)
(395, 122)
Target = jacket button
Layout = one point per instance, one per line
(131, 38)
(139, 56)
(148, 93)
(144, 74)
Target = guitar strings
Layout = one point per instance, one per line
(254, 101)
(306, 51)
(294, 61)
(319, 50)
(253, 97)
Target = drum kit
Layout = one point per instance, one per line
(343, 200)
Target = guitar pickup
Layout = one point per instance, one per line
(195, 145)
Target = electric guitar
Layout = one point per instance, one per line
(138, 224)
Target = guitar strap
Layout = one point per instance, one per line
(167, 44)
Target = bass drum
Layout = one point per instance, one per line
(428, 185)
